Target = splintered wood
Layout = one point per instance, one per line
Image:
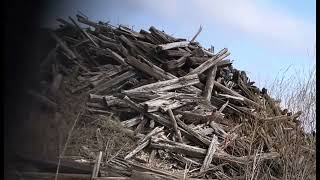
(183, 101)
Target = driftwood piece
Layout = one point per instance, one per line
(155, 131)
(210, 82)
(211, 150)
(64, 46)
(168, 84)
(113, 82)
(200, 152)
(192, 132)
(233, 93)
(163, 36)
(211, 62)
(156, 72)
(141, 125)
(163, 47)
(174, 64)
(175, 126)
(137, 149)
(84, 32)
(175, 53)
(140, 109)
(131, 122)
(95, 105)
(162, 104)
(196, 35)
(114, 101)
(116, 56)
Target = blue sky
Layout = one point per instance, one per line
(264, 37)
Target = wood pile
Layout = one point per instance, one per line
(184, 103)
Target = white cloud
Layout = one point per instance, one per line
(268, 25)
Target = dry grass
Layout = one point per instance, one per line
(297, 161)
(297, 92)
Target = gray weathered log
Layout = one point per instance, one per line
(168, 84)
(200, 152)
(113, 82)
(210, 82)
(167, 46)
(131, 122)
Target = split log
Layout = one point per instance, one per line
(211, 150)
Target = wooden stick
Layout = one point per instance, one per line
(211, 150)
(195, 36)
(211, 62)
(175, 126)
(84, 32)
(192, 132)
(209, 84)
(155, 131)
(137, 149)
(233, 93)
(96, 172)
